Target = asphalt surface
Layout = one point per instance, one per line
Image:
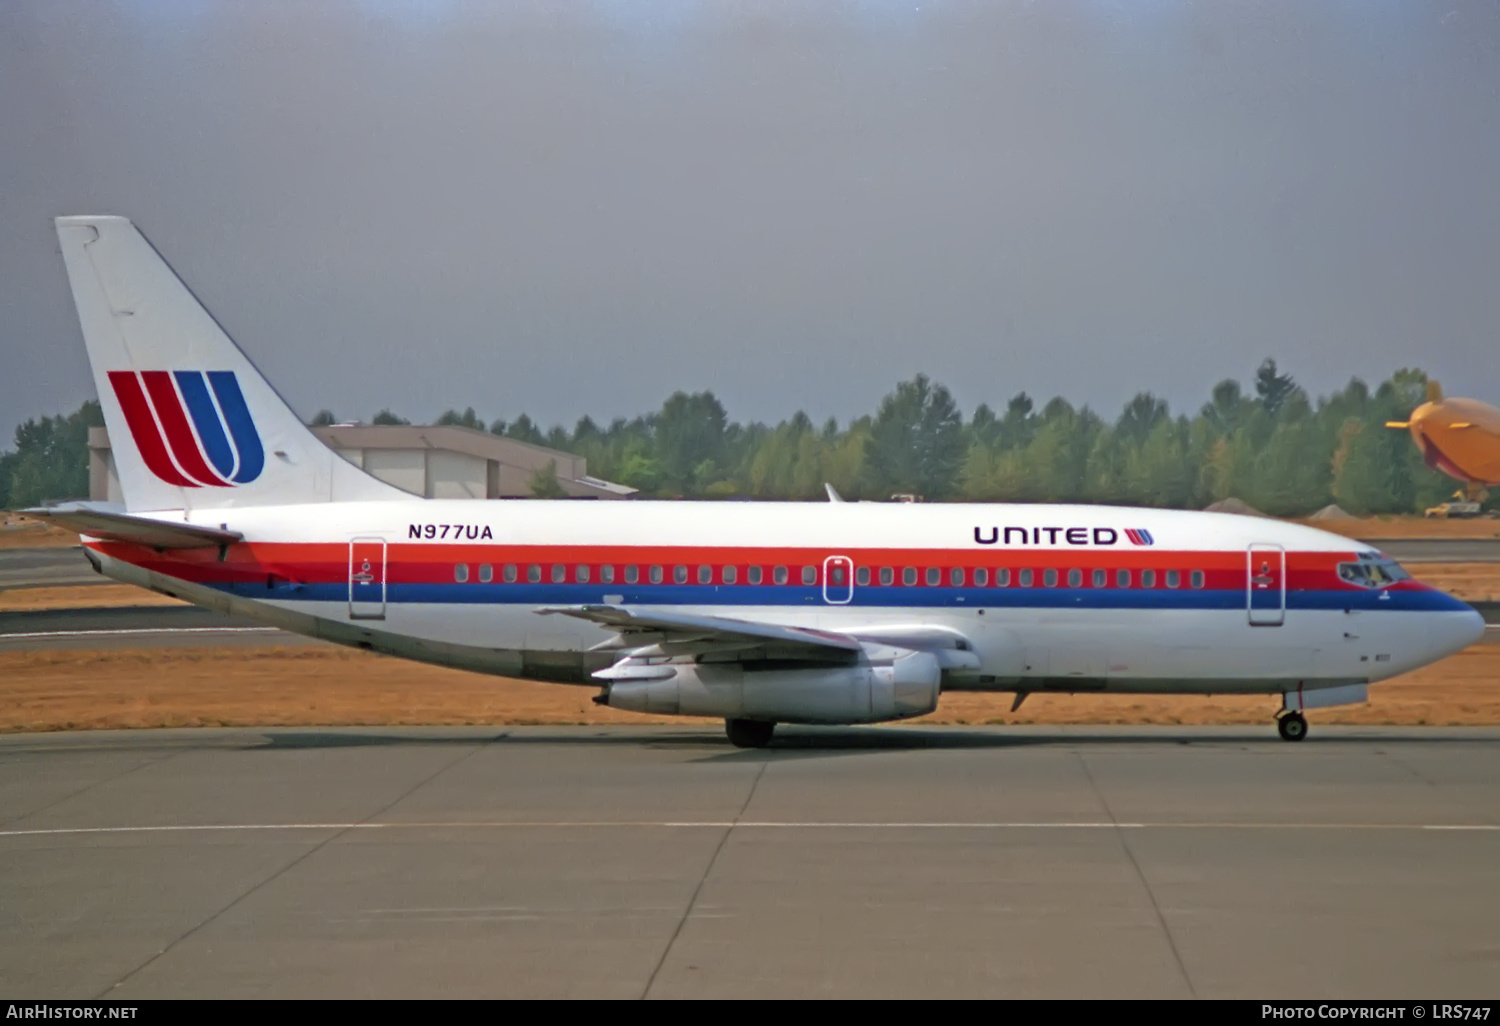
(40, 568)
(878, 862)
(1439, 550)
(135, 627)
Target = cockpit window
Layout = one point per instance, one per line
(1373, 571)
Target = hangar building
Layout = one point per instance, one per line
(436, 462)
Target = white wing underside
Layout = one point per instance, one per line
(672, 633)
(646, 637)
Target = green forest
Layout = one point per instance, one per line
(1271, 445)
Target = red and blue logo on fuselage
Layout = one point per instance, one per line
(192, 428)
(1139, 537)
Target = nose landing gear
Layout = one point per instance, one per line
(1292, 726)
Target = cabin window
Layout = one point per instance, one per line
(981, 577)
(809, 575)
(679, 574)
(1026, 578)
(731, 574)
(1049, 578)
(559, 573)
(862, 576)
(1148, 578)
(486, 573)
(887, 576)
(1174, 579)
(1002, 577)
(1122, 578)
(909, 576)
(508, 574)
(534, 573)
(461, 572)
(755, 575)
(581, 574)
(632, 574)
(1197, 578)
(778, 575)
(606, 574)
(934, 577)
(1101, 579)
(655, 574)
(956, 577)
(1075, 578)
(838, 575)
(705, 575)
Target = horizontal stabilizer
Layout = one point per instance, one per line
(98, 520)
(1398, 424)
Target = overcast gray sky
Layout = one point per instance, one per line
(570, 208)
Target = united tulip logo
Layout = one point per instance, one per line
(192, 428)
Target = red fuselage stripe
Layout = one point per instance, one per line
(315, 563)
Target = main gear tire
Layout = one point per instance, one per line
(1292, 726)
(749, 733)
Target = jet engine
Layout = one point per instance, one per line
(903, 684)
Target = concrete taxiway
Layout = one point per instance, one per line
(135, 627)
(42, 568)
(659, 862)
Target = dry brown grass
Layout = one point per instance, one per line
(341, 687)
(25, 533)
(1472, 582)
(1409, 527)
(81, 596)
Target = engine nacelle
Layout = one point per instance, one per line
(907, 685)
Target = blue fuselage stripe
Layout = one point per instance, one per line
(796, 596)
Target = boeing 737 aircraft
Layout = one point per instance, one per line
(759, 613)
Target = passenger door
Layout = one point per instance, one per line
(1265, 585)
(367, 579)
(838, 580)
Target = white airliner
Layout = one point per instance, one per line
(759, 613)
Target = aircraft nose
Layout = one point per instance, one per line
(1456, 631)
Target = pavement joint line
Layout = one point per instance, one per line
(294, 863)
(1120, 836)
(732, 824)
(131, 630)
(709, 868)
(148, 763)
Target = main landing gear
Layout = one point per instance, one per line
(1292, 726)
(749, 733)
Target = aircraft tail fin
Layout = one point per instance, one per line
(192, 424)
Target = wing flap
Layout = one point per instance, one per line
(675, 633)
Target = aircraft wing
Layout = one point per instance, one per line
(99, 520)
(670, 633)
